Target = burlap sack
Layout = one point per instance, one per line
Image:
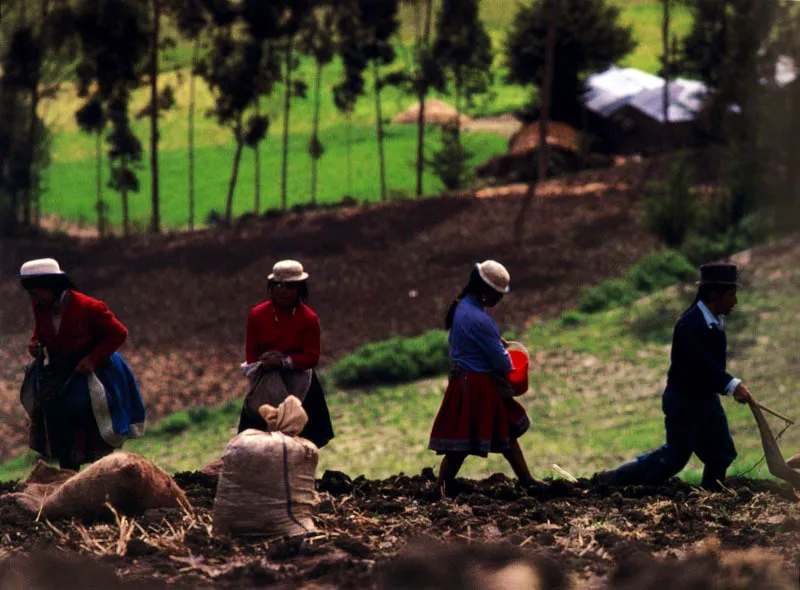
(273, 387)
(267, 482)
(130, 483)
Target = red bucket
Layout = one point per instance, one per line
(520, 360)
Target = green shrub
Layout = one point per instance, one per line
(450, 164)
(174, 423)
(572, 318)
(396, 360)
(671, 208)
(200, 414)
(700, 249)
(610, 293)
(660, 270)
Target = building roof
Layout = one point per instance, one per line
(685, 101)
(612, 89)
(785, 70)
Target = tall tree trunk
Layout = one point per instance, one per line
(665, 73)
(237, 158)
(547, 90)
(99, 183)
(457, 118)
(379, 129)
(192, 99)
(348, 139)
(315, 130)
(422, 91)
(287, 103)
(155, 221)
(33, 192)
(31, 156)
(123, 193)
(257, 168)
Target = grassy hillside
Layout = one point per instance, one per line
(70, 180)
(594, 397)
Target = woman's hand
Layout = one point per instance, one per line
(34, 349)
(271, 359)
(85, 367)
(504, 341)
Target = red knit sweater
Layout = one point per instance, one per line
(88, 328)
(296, 335)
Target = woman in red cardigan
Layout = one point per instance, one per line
(84, 402)
(283, 334)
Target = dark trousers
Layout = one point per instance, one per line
(694, 425)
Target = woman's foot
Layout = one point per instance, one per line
(530, 483)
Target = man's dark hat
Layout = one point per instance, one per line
(718, 274)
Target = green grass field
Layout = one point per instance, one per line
(74, 198)
(70, 180)
(593, 400)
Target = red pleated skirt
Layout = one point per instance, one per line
(475, 418)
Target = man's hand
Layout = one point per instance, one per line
(742, 395)
(85, 367)
(34, 349)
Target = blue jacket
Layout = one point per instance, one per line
(475, 343)
(699, 356)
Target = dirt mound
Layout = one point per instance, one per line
(372, 531)
(710, 567)
(436, 113)
(558, 134)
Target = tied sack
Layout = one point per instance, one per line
(128, 482)
(271, 387)
(266, 486)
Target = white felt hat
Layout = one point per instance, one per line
(288, 271)
(495, 275)
(41, 267)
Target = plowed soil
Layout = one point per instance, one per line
(378, 533)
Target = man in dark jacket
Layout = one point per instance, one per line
(693, 415)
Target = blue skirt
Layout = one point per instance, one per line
(89, 417)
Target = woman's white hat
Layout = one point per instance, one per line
(41, 267)
(288, 271)
(495, 275)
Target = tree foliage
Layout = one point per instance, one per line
(589, 38)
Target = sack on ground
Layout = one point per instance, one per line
(129, 482)
(267, 482)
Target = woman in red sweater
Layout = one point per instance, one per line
(283, 334)
(84, 402)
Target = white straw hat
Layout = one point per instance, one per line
(41, 267)
(495, 275)
(288, 271)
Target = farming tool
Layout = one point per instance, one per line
(788, 471)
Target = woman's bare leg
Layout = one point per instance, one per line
(448, 470)
(517, 460)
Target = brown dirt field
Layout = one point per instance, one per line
(376, 271)
(395, 533)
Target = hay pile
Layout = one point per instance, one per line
(436, 113)
(558, 134)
